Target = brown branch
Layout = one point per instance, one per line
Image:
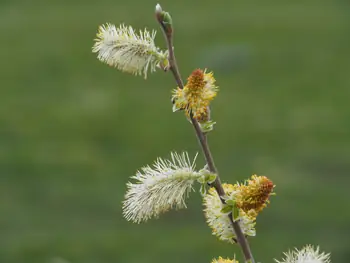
(202, 138)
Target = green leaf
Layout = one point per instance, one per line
(226, 209)
(201, 180)
(203, 190)
(235, 213)
(211, 178)
(207, 126)
(230, 202)
(208, 176)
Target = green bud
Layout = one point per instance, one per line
(167, 20)
(164, 19)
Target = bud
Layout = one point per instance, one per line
(164, 19)
(159, 9)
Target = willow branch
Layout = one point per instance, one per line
(202, 138)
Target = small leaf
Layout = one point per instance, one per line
(203, 190)
(207, 126)
(175, 108)
(230, 202)
(211, 178)
(201, 180)
(164, 64)
(208, 176)
(235, 213)
(226, 209)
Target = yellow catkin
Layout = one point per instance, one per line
(253, 196)
(196, 96)
(222, 260)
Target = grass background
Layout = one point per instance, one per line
(73, 130)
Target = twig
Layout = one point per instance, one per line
(202, 138)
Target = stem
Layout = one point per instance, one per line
(172, 61)
(202, 138)
(242, 241)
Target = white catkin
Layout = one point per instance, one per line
(126, 50)
(307, 254)
(159, 188)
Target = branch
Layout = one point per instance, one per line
(165, 22)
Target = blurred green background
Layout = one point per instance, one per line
(73, 130)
